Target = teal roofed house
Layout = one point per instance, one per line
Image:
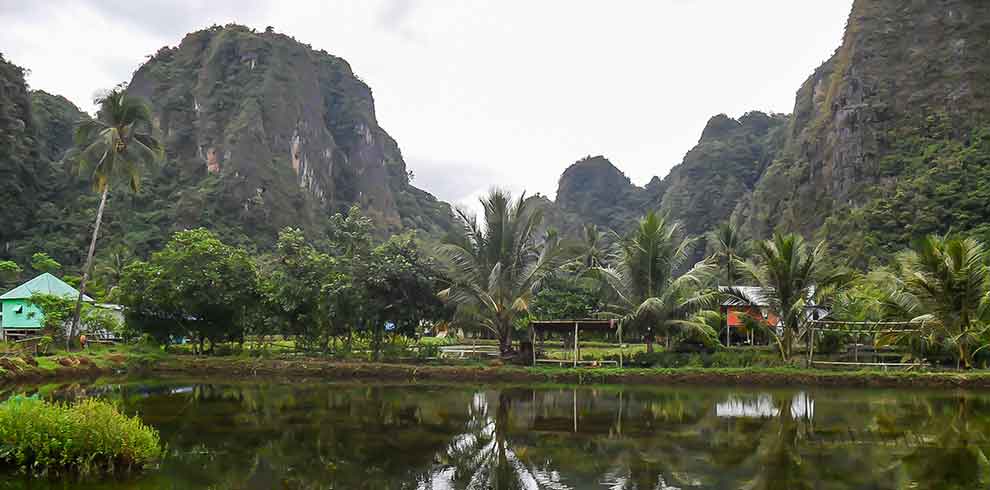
(19, 315)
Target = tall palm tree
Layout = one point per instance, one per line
(648, 296)
(944, 283)
(729, 248)
(594, 249)
(792, 279)
(113, 146)
(495, 266)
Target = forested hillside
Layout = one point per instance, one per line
(888, 141)
(261, 132)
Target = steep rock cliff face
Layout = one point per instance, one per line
(906, 93)
(272, 133)
(261, 132)
(700, 192)
(55, 118)
(593, 190)
(722, 169)
(889, 140)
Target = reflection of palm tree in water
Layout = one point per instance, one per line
(482, 458)
(779, 459)
(957, 455)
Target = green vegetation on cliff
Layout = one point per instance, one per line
(261, 132)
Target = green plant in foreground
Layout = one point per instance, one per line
(88, 438)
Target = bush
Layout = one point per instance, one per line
(88, 438)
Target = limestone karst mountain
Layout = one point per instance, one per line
(261, 132)
(889, 140)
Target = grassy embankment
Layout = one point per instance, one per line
(26, 365)
(475, 371)
(741, 367)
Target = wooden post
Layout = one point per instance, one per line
(620, 412)
(619, 334)
(575, 408)
(532, 342)
(575, 359)
(811, 346)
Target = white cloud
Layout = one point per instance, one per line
(494, 93)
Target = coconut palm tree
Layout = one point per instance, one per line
(945, 284)
(729, 248)
(114, 146)
(792, 279)
(495, 266)
(648, 296)
(594, 249)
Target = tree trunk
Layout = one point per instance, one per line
(964, 356)
(86, 269)
(505, 339)
(788, 342)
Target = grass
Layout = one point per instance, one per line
(594, 353)
(89, 438)
(104, 357)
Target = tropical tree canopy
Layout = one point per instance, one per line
(494, 266)
(729, 248)
(117, 143)
(594, 248)
(793, 279)
(944, 284)
(647, 294)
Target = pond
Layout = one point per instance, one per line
(278, 435)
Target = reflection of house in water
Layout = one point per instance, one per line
(760, 407)
(763, 406)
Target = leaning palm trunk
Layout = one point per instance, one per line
(87, 268)
(109, 148)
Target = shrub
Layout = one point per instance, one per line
(87, 438)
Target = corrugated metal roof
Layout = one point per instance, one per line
(44, 284)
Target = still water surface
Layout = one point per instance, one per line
(270, 435)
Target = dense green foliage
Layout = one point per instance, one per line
(201, 289)
(944, 283)
(937, 185)
(22, 170)
(196, 285)
(793, 280)
(728, 247)
(566, 298)
(496, 265)
(646, 292)
(42, 263)
(9, 273)
(57, 312)
(88, 438)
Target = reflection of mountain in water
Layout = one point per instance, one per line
(415, 437)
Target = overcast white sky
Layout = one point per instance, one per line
(506, 92)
